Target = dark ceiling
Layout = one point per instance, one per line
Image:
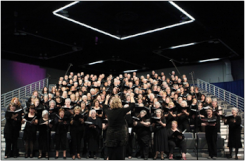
(31, 33)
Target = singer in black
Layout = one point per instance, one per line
(183, 117)
(116, 136)
(174, 141)
(94, 132)
(44, 134)
(160, 135)
(143, 133)
(30, 130)
(11, 130)
(76, 129)
(211, 134)
(234, 139)
(61, 123)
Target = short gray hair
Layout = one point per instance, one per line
(44, 113)
(52, 101)
(68, 99)
(235, 109)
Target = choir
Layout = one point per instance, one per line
(113, 112)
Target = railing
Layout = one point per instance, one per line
(23, 91)
(226, 96)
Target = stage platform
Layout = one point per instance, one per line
(189, 157)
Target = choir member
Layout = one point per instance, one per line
(116, 136)
(174, 141)
(104, 128)
(30, 130)
(44, 134)
(170, 115)
(76, 131)
(160, 134)
(94, 132)
(45, 91)
(234, 139)
(208, 102)
(143, 133)
(61, 122)
(183, 117)
(11, 130)
(44, 102)
(129, 121)
(35, 94)
(217, 111)
(211, 134)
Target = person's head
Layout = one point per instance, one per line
(77, 110)
(116, 103)
(96, 103)
(57, 99)
(12, 106)
(45, 114)
(52, 103)
(180, 99)
(174, 124)
(36, 102)
(143, 113)
(214, 103)
(93, 113)
(200, 105)
(194, 101)
(16, 101)
(32, 109)
(234, 111)
(67, 102)
(157, 105)
(189, 97)
(158, 112)
(208, 100)
(170, 104)
(209, 111)
(61, 112)
(203, 97)
(73, 97)
(35, 93)
(183, 104)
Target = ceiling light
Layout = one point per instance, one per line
(125, 37)
(213, 59)
(129, 71)
(184, 45)
(101, 61)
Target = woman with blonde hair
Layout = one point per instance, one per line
(116, 136)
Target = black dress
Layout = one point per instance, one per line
(160, 137)
(44, 136)
(61, 133)
(30, 129)
(94, 135)
(116, 136)
(211, 138)
(234, 140)
(76, 130)
(143, 137)
(11, 133)
(183, 122)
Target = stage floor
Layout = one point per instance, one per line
(189, 157)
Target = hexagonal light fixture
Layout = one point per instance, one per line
(130, 36)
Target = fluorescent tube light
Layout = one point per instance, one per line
(101, 61)
(129, 71)
(130, 36)
(184, 45)
(213, 59)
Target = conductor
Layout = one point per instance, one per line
(116, 136)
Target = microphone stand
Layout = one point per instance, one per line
(68, 68)
(196, 113)
(175, 66)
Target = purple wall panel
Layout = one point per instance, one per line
(16, 74)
